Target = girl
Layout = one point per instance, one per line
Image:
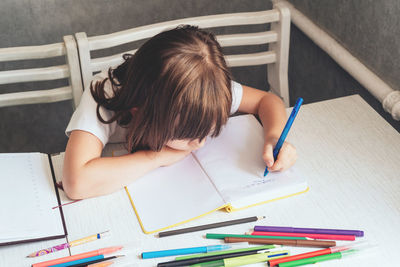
(163, 101)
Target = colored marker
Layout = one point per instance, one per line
(357, 233)
(222, 236)
(231, 251)
(183, 251)
(354, 245)
(285, 131)
(333, 256)
(80, 261)
(286, 242)
(315, 236)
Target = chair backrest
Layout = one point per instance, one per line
(69, 70)
(276, 56)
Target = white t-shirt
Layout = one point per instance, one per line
(85, 117)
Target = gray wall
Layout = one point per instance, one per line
(369, 29)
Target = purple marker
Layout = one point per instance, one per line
(308, 230)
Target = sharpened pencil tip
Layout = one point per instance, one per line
(261, 217)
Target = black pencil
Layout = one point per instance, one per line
(210, 226)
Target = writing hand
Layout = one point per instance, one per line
(286, 158)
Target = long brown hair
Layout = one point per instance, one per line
(177, 82)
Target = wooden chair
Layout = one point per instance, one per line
(276, 56)
(70, 69)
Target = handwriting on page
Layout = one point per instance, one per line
(260, 182)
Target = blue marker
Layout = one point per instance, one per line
(183, 251)
(285, 131)
(80, 261)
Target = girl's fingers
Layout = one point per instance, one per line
(268, 155)
(286, 158)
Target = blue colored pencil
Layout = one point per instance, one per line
(285, 131)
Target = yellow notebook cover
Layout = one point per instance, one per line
(227, 173)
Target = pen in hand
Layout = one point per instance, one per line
(285, 131)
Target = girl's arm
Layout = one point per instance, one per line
(271, 111)
(86, 174)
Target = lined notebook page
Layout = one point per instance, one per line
(234, 163)
(27, 196)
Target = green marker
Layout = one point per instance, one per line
(222, 236)
(333, 256)
(244, 260)
(225, 252)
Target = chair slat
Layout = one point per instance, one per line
(34, 97)
(31, 52)
(143, 32)
(103, 63)
(36, 74)
(247, 38)
(252, 59)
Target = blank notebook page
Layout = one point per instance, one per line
(173, 194)
(27, 196)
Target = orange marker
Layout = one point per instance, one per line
(102, 251)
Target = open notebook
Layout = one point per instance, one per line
(27, 195)
(226, 173)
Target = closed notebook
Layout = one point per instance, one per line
(226, 173)
(28, 195)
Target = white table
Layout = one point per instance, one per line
(351, 158)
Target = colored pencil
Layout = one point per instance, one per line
(67, 245)
(210, 226)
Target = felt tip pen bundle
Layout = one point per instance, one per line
(245, 260)
(357, 233)
(197, 260)
(285, 131)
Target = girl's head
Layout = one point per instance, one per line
(177, 86)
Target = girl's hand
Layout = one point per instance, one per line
(286, 158)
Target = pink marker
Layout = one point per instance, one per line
(315, 236)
